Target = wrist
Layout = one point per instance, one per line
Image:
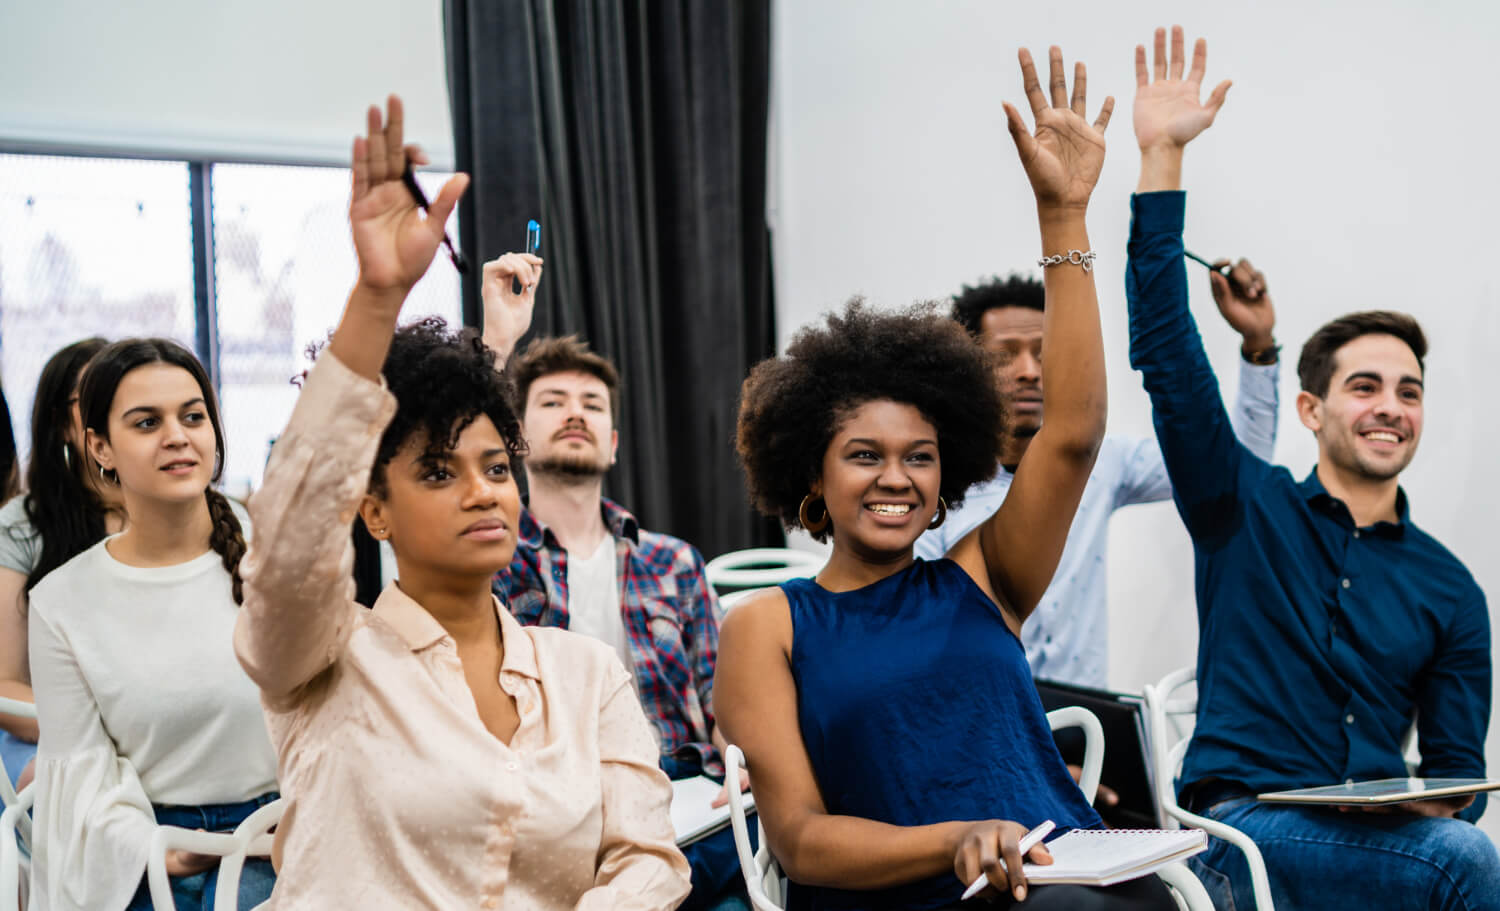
(1260, 350)
(1061, 214)
(1161, 168)
(378, 298)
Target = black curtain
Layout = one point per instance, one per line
(636, 133)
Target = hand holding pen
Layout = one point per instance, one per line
(394, 242)
(992, 853)
(1243, 300)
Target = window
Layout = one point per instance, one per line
(283, 267)
(88, 246)
(98, 246)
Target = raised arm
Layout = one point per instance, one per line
(1203, 459)
(507, 315)
(1245, 303)
(1018, 548)
(298, 588)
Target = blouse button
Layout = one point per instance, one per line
(511, 767)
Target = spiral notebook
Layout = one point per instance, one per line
(1103, 857)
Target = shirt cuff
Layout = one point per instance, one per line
(1161, 212)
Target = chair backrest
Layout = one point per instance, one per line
(759, 567)
(13, 867)
(249, 839)
(1169, 705)
(761, 872)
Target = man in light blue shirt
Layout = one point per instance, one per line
(1067, 639)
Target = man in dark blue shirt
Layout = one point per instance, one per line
(1327, 620)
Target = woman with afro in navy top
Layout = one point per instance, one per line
(896, 742)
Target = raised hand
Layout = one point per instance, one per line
(1244, 302)
(507, 315)
(1063, 158)
(393, 239)
(1167, 111)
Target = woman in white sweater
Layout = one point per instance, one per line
(145, 716)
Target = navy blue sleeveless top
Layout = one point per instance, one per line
(917, 706)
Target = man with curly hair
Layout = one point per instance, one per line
(1068, 637)
(583, 563)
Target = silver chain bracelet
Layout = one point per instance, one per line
(1084, 258)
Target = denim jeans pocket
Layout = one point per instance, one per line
(1215, 883)
(1217, 811)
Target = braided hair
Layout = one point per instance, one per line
(97, 393)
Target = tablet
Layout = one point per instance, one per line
(1384, 790)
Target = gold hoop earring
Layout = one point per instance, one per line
(803, 516)
(940, 516)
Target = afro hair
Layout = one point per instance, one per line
(443, 379)
(792, 406)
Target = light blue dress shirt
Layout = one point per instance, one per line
(1067, 637)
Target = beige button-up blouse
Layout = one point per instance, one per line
(397, 795)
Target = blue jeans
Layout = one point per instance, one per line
(196, 892)
(14, 754)
(1321, 859)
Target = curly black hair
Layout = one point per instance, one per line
(442, 380)
(792, 406)
(1015, 290)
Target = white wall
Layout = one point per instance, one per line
(1354, 162)
(226, 79)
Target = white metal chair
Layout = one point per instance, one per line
(250, 838)
(20, 709)
(1167, 710)
(15, 853)
(766, 885)
(14, 866)
(759, 567)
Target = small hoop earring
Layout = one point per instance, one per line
(67, 455)
(104, 475)
(940, 516)
(804, 516)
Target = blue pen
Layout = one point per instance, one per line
(533, 246)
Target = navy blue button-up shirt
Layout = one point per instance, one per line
(1318, 640)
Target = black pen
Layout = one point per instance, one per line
(410, 179)
(1222, 270)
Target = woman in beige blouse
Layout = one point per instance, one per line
(433, 753)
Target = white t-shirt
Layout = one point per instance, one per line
(594, 598)
(140, 700)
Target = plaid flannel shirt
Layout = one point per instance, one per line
(671, 621)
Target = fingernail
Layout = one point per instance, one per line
(1020, 893)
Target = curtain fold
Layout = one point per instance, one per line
(636, 133)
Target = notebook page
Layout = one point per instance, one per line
(1113, 855)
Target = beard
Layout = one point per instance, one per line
(571, 466)
(1346, 455)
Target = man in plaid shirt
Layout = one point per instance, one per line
(583, 563)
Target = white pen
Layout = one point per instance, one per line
(1028, 841)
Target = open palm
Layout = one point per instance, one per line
(393, 240)
(1062, 159)
(1167, 111)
